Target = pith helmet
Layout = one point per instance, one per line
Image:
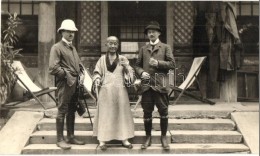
(152, 25)
(67, 24)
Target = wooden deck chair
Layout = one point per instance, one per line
(191, 77)
(87, 86)
(27, 84)
(88, 83)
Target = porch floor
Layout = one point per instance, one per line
(188, 106)
(245, 114)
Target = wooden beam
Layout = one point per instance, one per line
(228, 89)
(104, 25)
(169, 23)
(0, 76)
(47, 33)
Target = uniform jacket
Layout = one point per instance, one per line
(159, 80)
(64, 63)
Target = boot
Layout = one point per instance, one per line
(148, 129)
(70, 121)
(60, 138)
(164, 126)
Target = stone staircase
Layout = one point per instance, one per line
(186, 136)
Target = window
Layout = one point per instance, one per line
(248, 26)
(20, 7)
(128, 19)
(131, 31)
(248, 8)
(27, 32)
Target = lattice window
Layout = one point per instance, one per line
(248, 9)
(90, 23)
(20, 7)
(183, 22)
(132, 31)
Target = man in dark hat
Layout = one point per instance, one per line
(153, 63)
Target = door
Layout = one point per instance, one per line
(128, 19)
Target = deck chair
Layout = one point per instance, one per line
(27, 84)
(191, 77)
(88, 83)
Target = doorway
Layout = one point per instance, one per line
(127, 19)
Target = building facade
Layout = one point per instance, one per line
(185, 26)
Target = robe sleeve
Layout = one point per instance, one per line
(129, 74)
(98, 71)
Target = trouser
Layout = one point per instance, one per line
(67, 100)
(161, 101)
(152, 98)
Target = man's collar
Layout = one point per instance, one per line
(156, 41)
(67, 42)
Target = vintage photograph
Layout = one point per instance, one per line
(129, 77)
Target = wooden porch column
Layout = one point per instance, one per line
(47, 33)
(104, 25)
(169, 23)
(228, 89)
(0, 83)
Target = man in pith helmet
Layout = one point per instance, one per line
(66, 66)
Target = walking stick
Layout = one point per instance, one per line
(138, 101)
(96, 86)
(82, 92)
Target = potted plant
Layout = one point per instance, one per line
(8, 53)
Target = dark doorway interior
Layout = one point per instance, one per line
(128, 19)
(66, 10)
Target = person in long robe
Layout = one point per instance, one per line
(113, 119)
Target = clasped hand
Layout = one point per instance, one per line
(145, 75)
(124, 63)
(153, 62)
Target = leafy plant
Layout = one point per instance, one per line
(8, 53)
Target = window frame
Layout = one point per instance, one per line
(34, 6)
(243, 22)
(115, 10)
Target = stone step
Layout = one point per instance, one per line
(154, 149)
(206, 137)
(83, 124)
(183, 111)
(49, 137)
(53, 149)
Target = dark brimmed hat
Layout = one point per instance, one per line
(152, 25)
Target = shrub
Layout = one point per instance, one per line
(8, 53)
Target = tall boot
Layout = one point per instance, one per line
(148, 129)
(70, 121)
(164, 126)
(60, 138)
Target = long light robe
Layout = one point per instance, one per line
(113, 119)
